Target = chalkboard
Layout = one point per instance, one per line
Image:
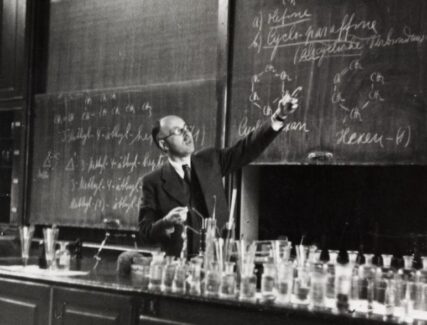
(97, 44)
(91, 149)
(359, 69)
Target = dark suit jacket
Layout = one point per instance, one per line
(162, 191)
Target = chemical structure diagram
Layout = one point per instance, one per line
(354, 112)
(276, 78)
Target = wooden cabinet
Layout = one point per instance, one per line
(23, 303)
(75, 306)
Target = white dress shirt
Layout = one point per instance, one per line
(178, 165)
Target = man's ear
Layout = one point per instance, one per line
(163, 145)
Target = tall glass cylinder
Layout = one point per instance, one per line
(26, 236)
(50, 236)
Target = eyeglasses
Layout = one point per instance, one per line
(177, 131)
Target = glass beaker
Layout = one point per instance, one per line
(140, 271)
(26, 236)
(50, 236)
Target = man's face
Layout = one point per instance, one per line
(176, 136)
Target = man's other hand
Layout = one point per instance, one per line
(177, 215)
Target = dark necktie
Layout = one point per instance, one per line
(187, 173)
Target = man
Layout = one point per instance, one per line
(192, 181)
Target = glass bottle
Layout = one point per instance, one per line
(248, 282)
(343, 273)
(354, 302)
(193, 280)
(140, 271)
(380, 285)
(156, 271)
(366, 282)
(168, 274)
(318, 286)
(408, 304)
(302, 285)
(424, 261)
(390, 298)
(63, 256)
(212, 280)
(330, 280)
(180, 276)
(285, 278)
(228, 281)
(268, 282)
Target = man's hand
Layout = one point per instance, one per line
(287, 105)
(175, 216)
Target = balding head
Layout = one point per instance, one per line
(172, 136)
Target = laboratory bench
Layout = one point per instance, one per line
(102, 296)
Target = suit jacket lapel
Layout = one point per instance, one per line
(171, 184)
